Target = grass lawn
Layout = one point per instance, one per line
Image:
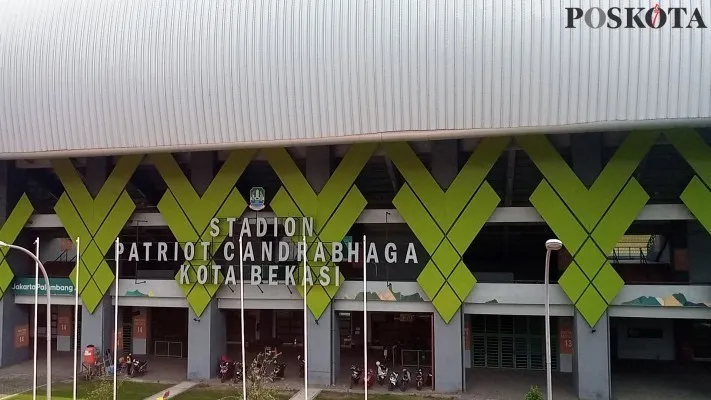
(203, 392)
(127, 391)
(326, 395)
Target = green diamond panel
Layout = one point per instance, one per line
(335, 209)
(590, 259)
(17, 219)
(589, 221)
(446, 303)
(6, 277)
(430, 280)
(573, 282)
(188, 214)
(697, 153)
(608, 283)
(446, 258)
(96, 221)
(591, 306)
(446, 222)
(462, 281)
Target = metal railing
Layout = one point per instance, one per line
(416, 358)
(165, 348)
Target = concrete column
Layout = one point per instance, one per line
(207, 334)
(207, 337)
(321, 349)
(591, 360)
(448, 349)
(322, 352)
(448, 338)
(141, 330)
(65, 328)
(698, 243)
(13, 318)
(97, 328)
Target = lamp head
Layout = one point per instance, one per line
(554, 244)
(3, 244)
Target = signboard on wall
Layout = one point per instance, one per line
(58, 287)
(139, 327)
(22, 336)
(565, 335)
(64, 325)
(681, 259)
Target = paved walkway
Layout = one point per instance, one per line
(300, 395)
(174, 390)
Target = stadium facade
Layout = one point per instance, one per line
(439, 145)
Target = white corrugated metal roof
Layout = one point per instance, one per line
(122, 75)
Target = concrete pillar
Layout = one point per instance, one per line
(65, 328)
(97, 328)
(14, 319)
(207, 337)
(321, 349)
(448, 349)
(448, 338)
(698, 243)
(591, 360)
(322, 352)
(207, 334)
(141, 330)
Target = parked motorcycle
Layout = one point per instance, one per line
(419, 379)
(356, 373)
(136, 367)
(370, 380)
(301, 366)
(237, 375)
(404, 380)
(382, 373)
(279, 370)
(394, 378)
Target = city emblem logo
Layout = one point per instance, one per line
(256, 198)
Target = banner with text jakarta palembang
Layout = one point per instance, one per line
(58, 286)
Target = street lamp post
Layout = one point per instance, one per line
(551, 245)
(49, 313)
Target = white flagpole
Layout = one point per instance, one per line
(306, 328)
(76, 325)
(34, 366)
(116, 309)
(241, 316)
(365, 323)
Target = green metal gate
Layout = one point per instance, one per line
(512, 342)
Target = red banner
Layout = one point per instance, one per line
(565, 335)
(139, 327)
(22, 336)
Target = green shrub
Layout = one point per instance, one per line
(534, 393)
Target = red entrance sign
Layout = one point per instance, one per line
(64, 324)
(139, 327)
(565, 333)
(22, 336)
